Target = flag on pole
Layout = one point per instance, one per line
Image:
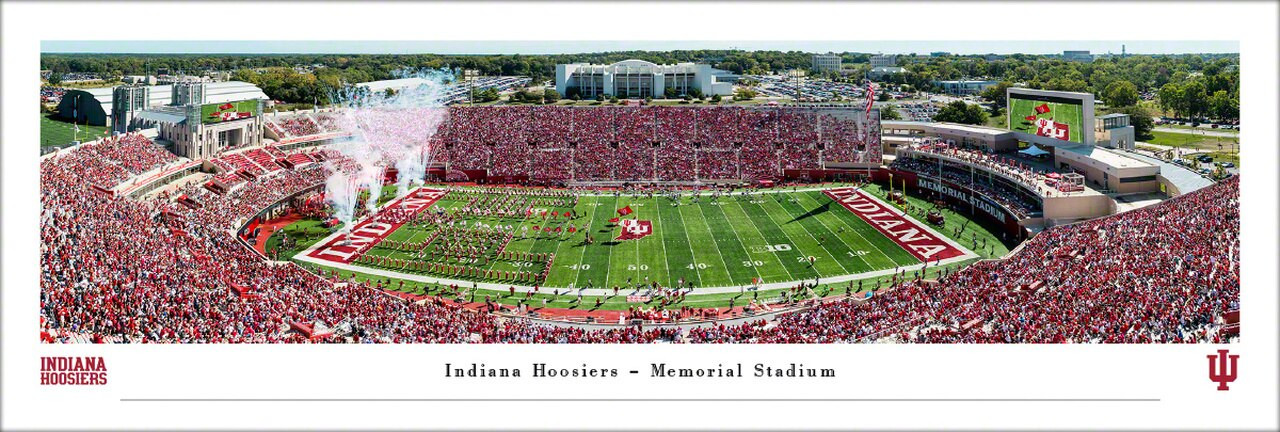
(871, 97)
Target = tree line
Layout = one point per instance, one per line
(1187, 84)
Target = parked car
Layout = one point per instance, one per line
(1205, 158)
(1228, 165)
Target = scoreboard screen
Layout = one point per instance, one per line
(1047, 116)
(228, 111)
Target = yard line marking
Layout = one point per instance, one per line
(713, 244)
(846, 244)
(693, 257)
(735, 238)
(790, 240)
(578, 271)
(761, 233)
(815, 240)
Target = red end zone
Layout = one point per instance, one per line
(342, 249)
(920, 242)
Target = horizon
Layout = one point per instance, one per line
(479, 48)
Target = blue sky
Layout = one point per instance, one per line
(563, 47)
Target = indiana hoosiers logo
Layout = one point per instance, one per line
(633, 229)
(1220, 371)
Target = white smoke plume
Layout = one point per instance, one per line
(389, 129)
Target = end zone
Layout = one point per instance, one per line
(919, 240)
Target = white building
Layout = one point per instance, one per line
(964, 87)
(829, 62)
(639, 78)
(884, 61)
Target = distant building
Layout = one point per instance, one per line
(963, 87)
(639, 79)
(883, 71)
(829, 62)
(884, 61)
(939, 54)
(139, 79)
(1080, 56)
(994, 57)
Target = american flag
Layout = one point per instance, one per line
(871, 97)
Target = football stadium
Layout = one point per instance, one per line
(406, 216)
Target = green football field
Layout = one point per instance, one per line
(1071, 114)
(723, 244)
(731, 241)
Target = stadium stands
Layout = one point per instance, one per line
(122, 270)
(647, 143)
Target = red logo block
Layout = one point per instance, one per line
(1222, 373)
(633, 229)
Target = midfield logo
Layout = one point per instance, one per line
(1222, 374)
(633, 229)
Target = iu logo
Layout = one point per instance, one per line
(633, 229)
(1222, 374)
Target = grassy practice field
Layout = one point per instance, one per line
(730, 242)
(56, 132)
(1071, 115)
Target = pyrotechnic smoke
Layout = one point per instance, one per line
(389, 129)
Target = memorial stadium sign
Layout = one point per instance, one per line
(976, 201)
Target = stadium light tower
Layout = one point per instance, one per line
(796, 74)
(470, 75)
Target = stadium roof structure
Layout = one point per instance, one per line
(889, 124)
(1185, 179)
(1107, 157)
(163, 115)
(398, 84)
(214, 92)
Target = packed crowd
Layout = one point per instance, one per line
(121, 270)
(294, 126)
(1003, 165)
(648, 143)
(109, 161)
(1020, 203)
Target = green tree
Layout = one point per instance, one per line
(888, 112)
(743, 94)
(716, 98)
(1120, 94)
(550, 95)
(998, 93)
(1140, 119)
(55, 78)
(1170, 98)
(695, 93)
(1195, 99)
(960, 112)
(1223, 106)
(670, 93)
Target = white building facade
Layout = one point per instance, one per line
(829, 62)
(639, 79)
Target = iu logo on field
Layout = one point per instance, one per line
(1219, 371)
(633, 229)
